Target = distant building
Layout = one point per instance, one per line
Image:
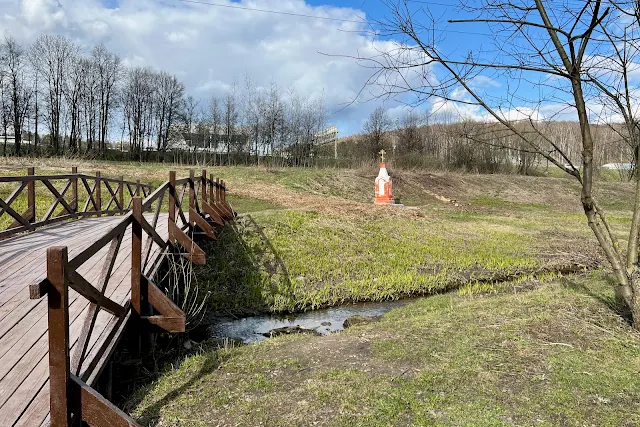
(618, 166)
(326, 137)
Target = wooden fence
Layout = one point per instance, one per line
(72, 398)
(101, 195)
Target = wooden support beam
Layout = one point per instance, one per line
(136, 257)
(121, 193)
(98, 188)
(163, 324)
(94, 409)
(213, 212)
(194, 253)
(92, 314)
(148, 228)
(172, 204)
(162, 303)
(203, 186)
(200, 222)
(192, 198)
(74, 191)
(225, 210)
(212, 189)
(31, 197)
(86, 289)
(59, 364)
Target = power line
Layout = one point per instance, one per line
(361, 21)
(275, 12)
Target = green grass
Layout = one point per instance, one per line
(248, 205)
(555, 355)
(284, 260)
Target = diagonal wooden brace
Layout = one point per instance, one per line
(214, 213)
(92, 408)
(202, 223)
(194, 253)
(171, 318)
(224, 207)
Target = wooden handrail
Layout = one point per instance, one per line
(29, 178)
(157, 193)
(148, 307)
(65, 204)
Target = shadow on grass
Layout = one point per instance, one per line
(151, 414)
(612, 301)
(244, 273)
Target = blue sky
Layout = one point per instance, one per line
(209, 47)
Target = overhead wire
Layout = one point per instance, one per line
(360, 21)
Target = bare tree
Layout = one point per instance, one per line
(137, 100)
(90, 101)
(73, 87)
(410, 138)
(274, 118)
(189, 118)
(169, 101)
(15, 64)
(576, 53)
(215, 120)
(230, 119)
(50, 55)
(376, 130)
(108, 69)
(5, 109)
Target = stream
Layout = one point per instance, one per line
(325, 321)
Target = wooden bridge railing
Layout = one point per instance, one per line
(72, 397)
(65, 196)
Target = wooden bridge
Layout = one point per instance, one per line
(95, 265)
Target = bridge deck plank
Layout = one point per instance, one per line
(24, 376)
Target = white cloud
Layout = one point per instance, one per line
(208, 47)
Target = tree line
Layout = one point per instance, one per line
(56, 99)
(442, 141)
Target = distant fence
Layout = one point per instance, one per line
(57, 198)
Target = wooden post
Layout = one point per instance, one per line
(136, 256)
(137, 187)
(121, 193)
(217, 190)
(224, 191)
(59, 365)
(31, 196)
(74, 191)
(211, 190)
(98, 193)
(203, 185)
(172, 205)
(192, 198)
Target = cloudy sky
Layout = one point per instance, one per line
(208, 46)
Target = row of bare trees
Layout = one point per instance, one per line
(51, 82)
(446, 142)
(63, 101)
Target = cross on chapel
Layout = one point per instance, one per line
(382, 153)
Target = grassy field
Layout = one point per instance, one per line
(554, 355)
(540, 349)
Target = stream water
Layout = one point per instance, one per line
(251, 329)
